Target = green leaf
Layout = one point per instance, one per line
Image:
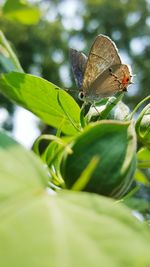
(138, 204)
(63, 230)
(94, 231)
(141, 177)
(21, 11)
(8, 58)
(43, 99)
(114, 143)
(52, 155)
(143, 156)
(16, 172)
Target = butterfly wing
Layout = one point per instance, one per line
(78, 62)
(108, 83)
(103, 54)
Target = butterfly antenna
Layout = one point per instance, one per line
(66, 89)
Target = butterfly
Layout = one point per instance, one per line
(102, 73)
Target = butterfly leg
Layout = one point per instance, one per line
(94, 106)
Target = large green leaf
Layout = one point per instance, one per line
(16, 172)
(55, 107)
(64, 230)
(115, 144)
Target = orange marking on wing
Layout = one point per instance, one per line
(125, 81)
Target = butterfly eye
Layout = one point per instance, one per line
(81, 96)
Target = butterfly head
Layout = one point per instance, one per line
(84, 94)
(81, 96)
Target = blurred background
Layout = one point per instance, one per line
(41, 32)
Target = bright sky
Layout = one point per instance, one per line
(25, 127)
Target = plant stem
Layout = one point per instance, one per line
(138, 106)
(82, 118)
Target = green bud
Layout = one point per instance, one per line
(143, 126)
(113, 144)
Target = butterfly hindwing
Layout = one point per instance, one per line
(111, 81)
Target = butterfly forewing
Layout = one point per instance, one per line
(78, 62)
(110, 82)
(103, 54)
